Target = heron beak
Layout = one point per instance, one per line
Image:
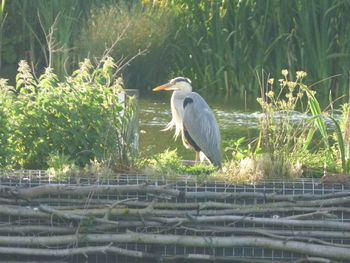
(166, 86)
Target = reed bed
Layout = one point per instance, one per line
(220, 45)
(226, 42)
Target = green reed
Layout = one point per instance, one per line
(131, 32)
(225, 42)
(3, 15)
(44, 31)
(219, 44)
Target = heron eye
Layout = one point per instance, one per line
(187, 101)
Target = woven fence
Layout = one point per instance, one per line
(137, 218)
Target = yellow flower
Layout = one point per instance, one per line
(285, 72)
(301, 74)
(270, 94)
(291, 84)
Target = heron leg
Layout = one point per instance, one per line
(197, 157)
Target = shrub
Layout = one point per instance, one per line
(80, 117)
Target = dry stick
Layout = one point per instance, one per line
(13, 210)
(221, 205)
(46, 212)
(256, 220)
(250, 230)
(22, 211)
(267, 233)
(270, 210)
(72, 216)
(5, 229)
(308, 203)
(81, 202)
(314, 259)
(78, 215)
(265, 196)
(228, 208)
(195, 241)
(312, 215)
(33, 192)
(117, 212)
(172, 212)
(314, 240)
(205, 257)
(110, 207)
(75, 251)
(222, 208)
(30, 193)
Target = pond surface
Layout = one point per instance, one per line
(237, 117)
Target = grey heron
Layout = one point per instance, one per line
(192, 117)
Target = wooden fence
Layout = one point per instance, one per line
(134, 218)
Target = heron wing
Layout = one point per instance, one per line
(200, 123)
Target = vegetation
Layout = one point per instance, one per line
(169, 165)
(240, 38)
(3, 15)
(218, 44)
(76, 121)
(129, 31)
(285, 149)
(78, 127)
(71, 119)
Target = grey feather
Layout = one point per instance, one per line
(200, 122)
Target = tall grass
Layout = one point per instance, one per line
(336, 143)
(53, 26)
(42, 32)
(127, 29)
(3, 15)
(219, 44)
(225, 42)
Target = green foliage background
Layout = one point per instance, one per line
(80, 118)
(219, 44)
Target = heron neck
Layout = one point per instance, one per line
(181, 94)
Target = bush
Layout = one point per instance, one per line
(80, 118)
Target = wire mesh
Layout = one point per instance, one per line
(28, 178)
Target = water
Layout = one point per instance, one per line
(237, 117)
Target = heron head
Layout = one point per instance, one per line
(179, 83)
